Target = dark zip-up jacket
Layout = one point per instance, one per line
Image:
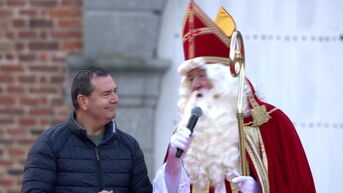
(64, 160)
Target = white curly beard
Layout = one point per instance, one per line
(214, 153)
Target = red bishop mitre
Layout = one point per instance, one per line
(204, 38)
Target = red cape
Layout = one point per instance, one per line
(288, 168)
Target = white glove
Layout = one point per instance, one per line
(246, 184)
(181, 139)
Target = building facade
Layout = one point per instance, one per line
(293, 56)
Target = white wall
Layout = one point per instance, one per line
(294, 57)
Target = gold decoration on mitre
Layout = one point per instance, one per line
(225, 22)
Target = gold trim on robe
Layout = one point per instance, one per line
(195, 188)
(255, 148)
(234, 188)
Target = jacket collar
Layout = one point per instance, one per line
(109, 132)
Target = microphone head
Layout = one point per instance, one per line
(197, 111)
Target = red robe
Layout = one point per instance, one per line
(288, 168)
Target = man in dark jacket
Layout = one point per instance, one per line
(88, 153)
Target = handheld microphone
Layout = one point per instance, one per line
(196, 113)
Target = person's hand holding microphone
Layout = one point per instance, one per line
(179, 144)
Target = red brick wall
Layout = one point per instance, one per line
(35, 38)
